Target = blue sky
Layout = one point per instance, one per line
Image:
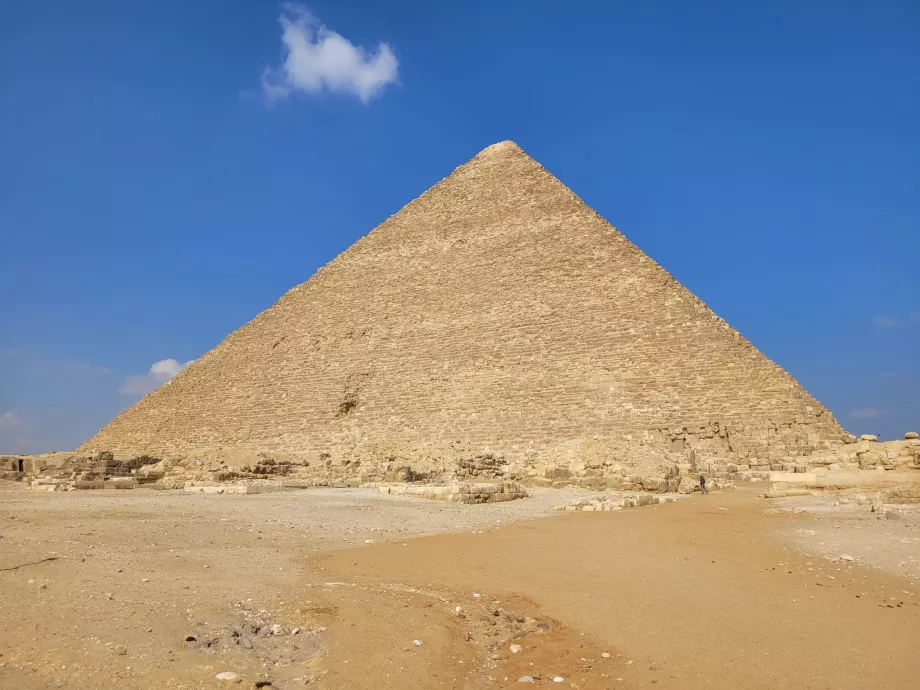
(170, 168)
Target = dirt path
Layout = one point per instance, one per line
(693, 594)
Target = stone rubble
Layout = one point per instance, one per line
(465, 492)
(618, 502)
(882, 475)
(888, 466)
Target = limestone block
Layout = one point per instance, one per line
(910, 435)
(651, 484)
(296, 484)
(688, 485)
(121, 484)
(84, 484)
(268, 487)
(868, 437)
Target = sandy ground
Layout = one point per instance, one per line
(337, 589)
(872, 539)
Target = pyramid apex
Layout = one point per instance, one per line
(503, 147)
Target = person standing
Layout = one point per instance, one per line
(703, 484)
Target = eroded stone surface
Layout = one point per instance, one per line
(495, 319)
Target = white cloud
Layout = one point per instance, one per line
(167, 368)
(866, 413)
(885, 321)
(159, 373)
(10, 420)
(317, 59)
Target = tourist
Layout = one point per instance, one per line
(702, 483)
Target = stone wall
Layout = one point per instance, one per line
(865, 455)
(498, 315)
(22, 464)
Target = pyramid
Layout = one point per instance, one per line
(496, 312)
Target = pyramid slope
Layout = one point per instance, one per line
(496, 310)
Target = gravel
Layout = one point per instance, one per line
(349, 516)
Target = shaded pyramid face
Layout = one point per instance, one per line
(496, 311)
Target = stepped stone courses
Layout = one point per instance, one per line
(495, 315)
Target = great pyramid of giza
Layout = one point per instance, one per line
(496, 312)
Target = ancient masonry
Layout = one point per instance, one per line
(494, 317)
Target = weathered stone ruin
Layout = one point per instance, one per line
(865, 471)
(15, 467)
(100, 470)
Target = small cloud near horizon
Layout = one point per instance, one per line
(159, 373)
(885, 322)
(866, 413)
(318, 59)
(10, 420)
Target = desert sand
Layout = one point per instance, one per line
(347, 588)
